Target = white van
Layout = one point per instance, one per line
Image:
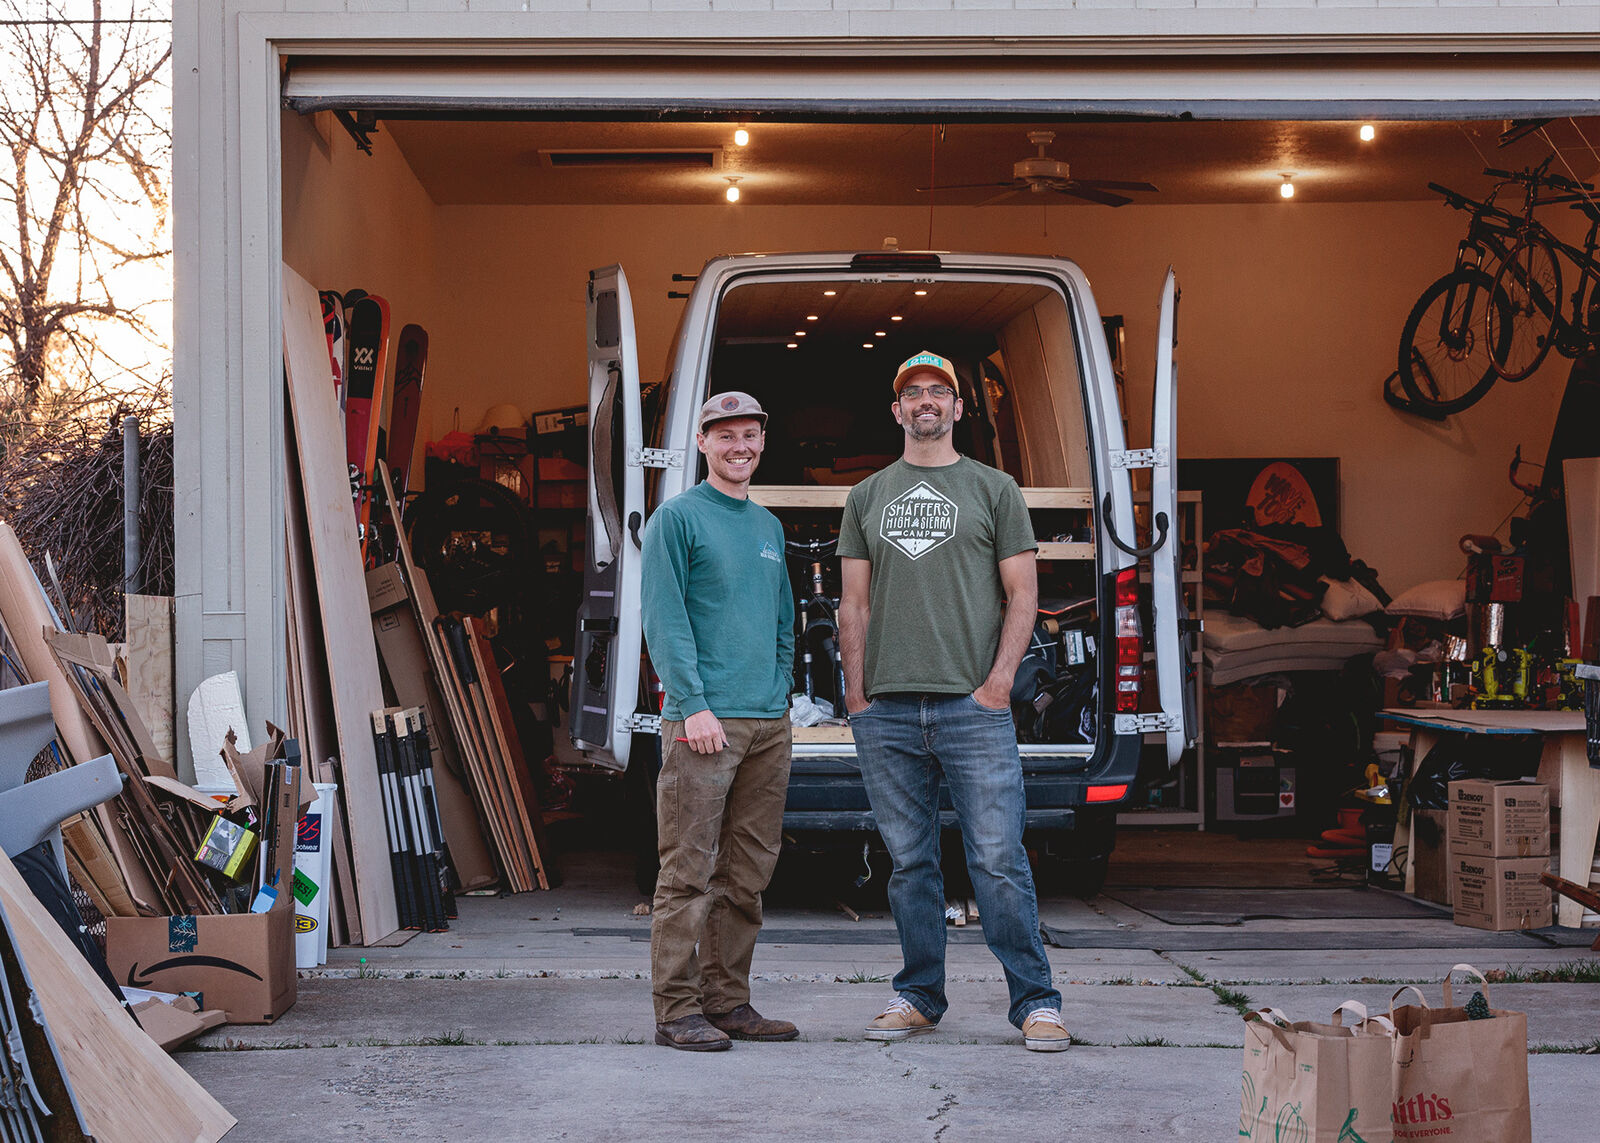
(816, 338)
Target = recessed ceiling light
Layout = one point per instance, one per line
(881, 333)
(793, 345)
(742, 137)
(1368, 132)
(811, 317)
(866, 345)
(732, 193)
(896, 317)
(920, 293)
(799, 333)
(829, 293)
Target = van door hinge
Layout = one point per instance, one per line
(1139, 458)
(639, 724)
(655, 458)
(1152, 723)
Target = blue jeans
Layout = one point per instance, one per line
(905, 744)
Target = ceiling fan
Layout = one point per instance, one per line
(1040, 174)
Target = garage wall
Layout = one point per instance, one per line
(1291, 314)
(353, 220)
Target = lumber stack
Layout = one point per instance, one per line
(422, 873)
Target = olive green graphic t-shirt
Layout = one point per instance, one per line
(935, 538)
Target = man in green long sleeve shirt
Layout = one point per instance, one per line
(719, 623)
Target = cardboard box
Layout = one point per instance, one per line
(242, 963)
(1430, 856)
(1500, 893)
(1499, 819)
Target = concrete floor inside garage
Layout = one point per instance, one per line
(531, 1017)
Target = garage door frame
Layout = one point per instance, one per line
(227, 392)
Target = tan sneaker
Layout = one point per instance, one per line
(1043, 1031)
(899, 1020)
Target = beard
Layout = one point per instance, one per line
(930, 430)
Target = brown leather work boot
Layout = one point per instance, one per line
(692, 1034)
(745, 1023)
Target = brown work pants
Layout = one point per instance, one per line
(720, 822)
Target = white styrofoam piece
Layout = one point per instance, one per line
(216, 706)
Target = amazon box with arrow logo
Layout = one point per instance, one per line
(242, 963)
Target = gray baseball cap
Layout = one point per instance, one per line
(727, 406)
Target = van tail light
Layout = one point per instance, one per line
(1108, 793)
(1130, 641)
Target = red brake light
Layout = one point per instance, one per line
(1130, 642)
(1108, 793)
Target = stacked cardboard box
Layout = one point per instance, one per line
(1499, 844)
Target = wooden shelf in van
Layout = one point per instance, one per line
(830, 734)
(1052, 551)
(833, 496)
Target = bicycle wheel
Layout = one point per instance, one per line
(1530, 281)
(1446, 333)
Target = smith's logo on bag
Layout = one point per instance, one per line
(1422, 1109)
(917, 521)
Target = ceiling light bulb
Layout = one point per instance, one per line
(829, 293)
(799, 333)
(920, 293)
(732, 194)
(742, 137)
(1287, 189)
(896, 317)
(811, 317)
(1368, 133)
(794, 345)
(866, 345)
(881, 333)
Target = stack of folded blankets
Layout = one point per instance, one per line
(1237, 648)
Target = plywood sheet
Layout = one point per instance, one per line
(123, 1085)
(352, 660)
(148, 620)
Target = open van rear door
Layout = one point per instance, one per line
(1174, 633)
(605, 668)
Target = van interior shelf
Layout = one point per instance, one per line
(833, 496)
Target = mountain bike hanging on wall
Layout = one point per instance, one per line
(1529, 279)
(1465, 323)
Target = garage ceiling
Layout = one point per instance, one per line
(510, 162)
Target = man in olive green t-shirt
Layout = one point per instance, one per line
(940, 596)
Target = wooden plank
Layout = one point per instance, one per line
(148, 621)
(1053, 551)
(523, 794)
(123, 1085)
(346, 626)
(319, 739)
(497, 781)
(476, 756)
(836, 734)
(26, 616)
(834, 495)
(400, 645)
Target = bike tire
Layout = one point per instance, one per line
(1529, 279)
(1446, 332)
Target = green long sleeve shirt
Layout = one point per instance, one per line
(718, 608)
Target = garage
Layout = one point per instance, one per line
(492, 187)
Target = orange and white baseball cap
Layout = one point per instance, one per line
(925, 362)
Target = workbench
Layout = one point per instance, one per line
(1563, 765)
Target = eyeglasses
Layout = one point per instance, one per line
(937, 392)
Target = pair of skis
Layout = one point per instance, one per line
(423, 878)
(377, 422)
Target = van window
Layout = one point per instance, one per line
(820, 355)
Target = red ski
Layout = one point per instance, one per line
(333, 326)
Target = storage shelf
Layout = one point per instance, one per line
(833, 496)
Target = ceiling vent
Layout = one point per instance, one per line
(681, 158)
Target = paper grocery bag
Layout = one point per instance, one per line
(1459, 1079)
(1316, 1083)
